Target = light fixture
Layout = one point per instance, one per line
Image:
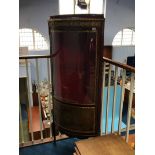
(82, 4)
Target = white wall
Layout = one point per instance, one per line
(35, 14)
(119, 14)
(120, 53)
(42, 65)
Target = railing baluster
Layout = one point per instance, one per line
(89, 6)
(30, 112)
(108, 98)
(122, 100)
(114, 99)
(102, 105)
(40, 116)
(104, 7)
(129, 106)
(21, 122)
(74, 3)
(49, 103)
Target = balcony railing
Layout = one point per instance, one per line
(36, 128)
(115, 84)
(117, 91)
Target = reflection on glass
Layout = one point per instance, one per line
(74, 66)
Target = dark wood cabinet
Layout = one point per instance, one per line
(76, 51)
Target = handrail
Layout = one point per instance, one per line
(113, 85)
(121, 65)
(34, 56)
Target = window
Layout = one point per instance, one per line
(124, 37)
(67, 7)
(32, 39)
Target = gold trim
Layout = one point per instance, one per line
(92, 31)
(74, 18)
(77, 131)
(96, 70)
(74, 23)
(93, 108)
(74, 103)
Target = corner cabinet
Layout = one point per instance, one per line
(76, 43)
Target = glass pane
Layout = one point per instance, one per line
(74, 66)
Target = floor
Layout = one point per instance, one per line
(62, 147)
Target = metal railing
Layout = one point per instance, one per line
(111, 83)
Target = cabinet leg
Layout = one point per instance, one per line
(53, 131)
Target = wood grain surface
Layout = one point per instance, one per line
(104, 145)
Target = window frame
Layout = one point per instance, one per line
(121, 39)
